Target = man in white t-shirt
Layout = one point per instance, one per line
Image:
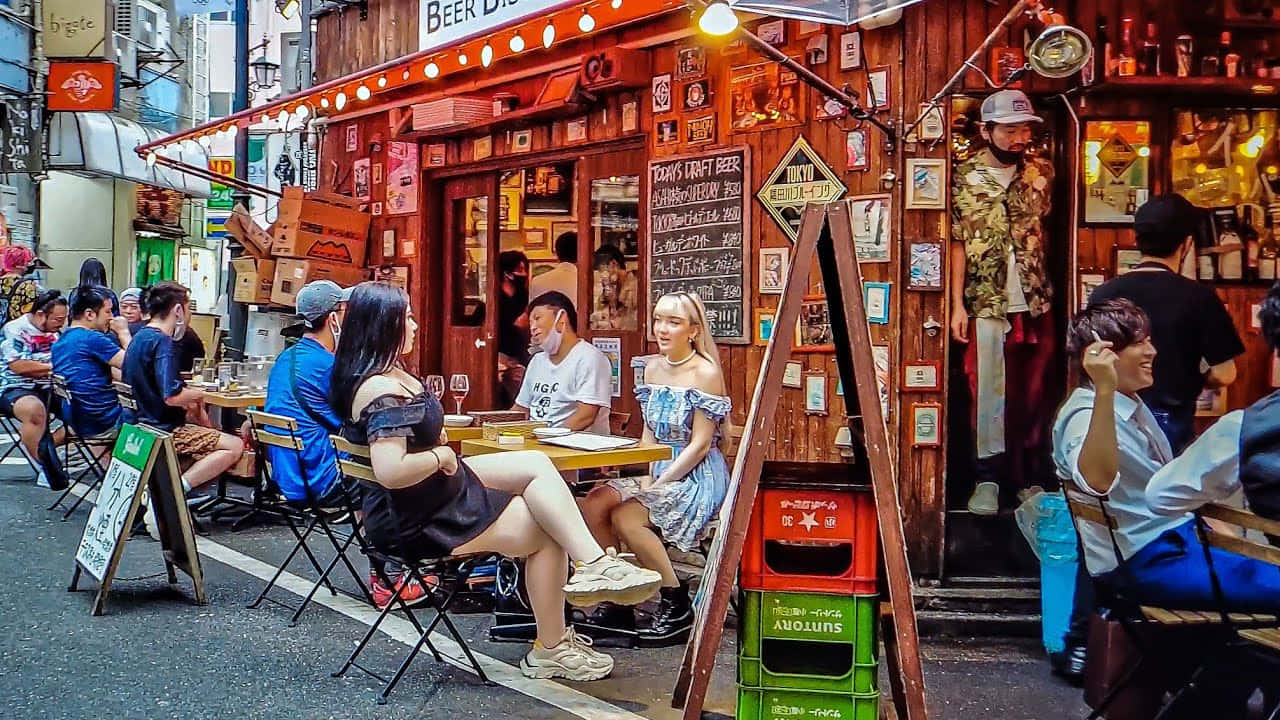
(568, 383)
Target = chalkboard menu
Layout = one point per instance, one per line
(698, 234)
(20, 137)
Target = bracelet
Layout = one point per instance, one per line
(439, 462)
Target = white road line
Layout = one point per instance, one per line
(552, 693)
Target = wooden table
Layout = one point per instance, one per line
(569, 459)
(235, 401)
(458, 434)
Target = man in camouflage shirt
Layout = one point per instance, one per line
(1001, 296)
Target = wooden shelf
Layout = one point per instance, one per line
(523, 117)
(1176, 87)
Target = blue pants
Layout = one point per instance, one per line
(1171, 571)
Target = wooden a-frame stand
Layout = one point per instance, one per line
(825, 232)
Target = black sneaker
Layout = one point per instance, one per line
(609, 625)
(671, 622)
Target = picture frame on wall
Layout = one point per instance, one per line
(696, 95)
(926, 184)
(813, 326)
(926, 424)
(850, 51)
(764, 320)
(878, 88)
(875, 298)
(691, 62)
(667, 132)
(815, 393)
(857, 145)
(922, 376)
(926, 263)
(662, 93)
(773, 32)
(1125, 260)
(353, 138)
(1115, 162)
(774, 262)
(871, 223)
(764, 96)
(792, 375)
(1088, 283)
(630, 116)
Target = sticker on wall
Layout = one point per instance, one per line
(667, 132)
(801, 177)
(691, 63)
(701, 130)
(696, 95)
(774, 33)
(481, 147)
(791, 375)
(435, 155)
(630, 116)
(521, 141)
(850, 51)
(662, 93)
(360, 188)
(353, 137)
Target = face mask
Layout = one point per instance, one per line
(336, 329)
(1008, 157)
(180, 329)
(551, 343)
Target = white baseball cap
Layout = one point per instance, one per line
(1008, 107)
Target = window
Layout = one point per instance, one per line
(148, 27)
(219, 104)
(224, 16)
(615, 223)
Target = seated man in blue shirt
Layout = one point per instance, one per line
(89, 360)
(299, 389)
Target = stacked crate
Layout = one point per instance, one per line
(807, 628)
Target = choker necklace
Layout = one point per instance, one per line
(674, 363)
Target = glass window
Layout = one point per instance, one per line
(615, 224)
(224, 16)
(471, 227)
(219, 104)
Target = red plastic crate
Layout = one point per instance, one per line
(802, 540)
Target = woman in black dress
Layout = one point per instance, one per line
(428, 503)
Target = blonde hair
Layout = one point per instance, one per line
(692, 309)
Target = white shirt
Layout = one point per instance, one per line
(1013, 282)
(561, 278)
(1207, 471)
(17, 326)
(552, 392)
(1143, 450)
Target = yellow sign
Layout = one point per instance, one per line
(76, 28)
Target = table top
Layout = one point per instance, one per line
(570, 459)
(458, 434)
(236, 400)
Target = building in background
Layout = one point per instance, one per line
(20, 122)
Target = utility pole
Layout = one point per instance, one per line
(238, 313)
(304, 46)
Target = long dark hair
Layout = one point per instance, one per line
(372, 335)
(93, 273)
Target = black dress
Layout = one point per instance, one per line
(438, 513)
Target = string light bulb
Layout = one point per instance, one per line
(516, 44)
(302, 112)
(283, 118)
(405, 75)
(432, 70)
(362, 93)
(615, 4)
(382, 81)
(324, 103)
(718, 19)
(340, 100)
(151, 159)
(462, 58)
(232, 130)
(486, 54)
(548, 34)
(586, 23)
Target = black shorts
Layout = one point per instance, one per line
(10, 397)
(345, 492)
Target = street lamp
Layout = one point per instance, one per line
(718, 18)
(287, 8)
(264, 72)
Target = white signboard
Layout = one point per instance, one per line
(445, 22)
(106, 519)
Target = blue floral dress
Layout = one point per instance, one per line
(682, 509)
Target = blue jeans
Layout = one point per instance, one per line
(1171, 571)
(1177, 427)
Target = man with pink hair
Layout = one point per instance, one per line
(17, 289)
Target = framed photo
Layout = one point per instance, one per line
(667, 132)
(815, 51)
(353, 137)
(375, 209)
(691, 62)
(764, 96)
(774, 262)
(1116, 170)
(1212, 402)
(922, 376)
(792, 375)
(933, 125)
(850, 51)
(813, 326)
(1004, 62)
(535, 239)
(695, 95)
(377, 174)
(575, 130)
(482, 147)
(815, 393)
(630, 116)
(773, 32)
(926, 184)
(1088, 283)
(360, 187)
(878, 88)
(926, 424)
(700, 130)
(522, 141)
(871, 218)
(662, 93)
(435, 155)
(926, 265)
(875, 298)
(856, 144)
(764, 325)
(1126, 259)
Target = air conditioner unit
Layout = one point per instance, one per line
(126, 55)
(615, 68)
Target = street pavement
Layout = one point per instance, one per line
(155, 654)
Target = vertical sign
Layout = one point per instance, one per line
(102, 533)
(221, 199)
(20, 135)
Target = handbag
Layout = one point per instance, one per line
(1111, 659)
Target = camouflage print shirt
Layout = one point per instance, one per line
(989, 220)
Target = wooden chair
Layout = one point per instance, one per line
(282, 432)
(1260, 628)
(93, 468)
(451, 572)
(618, 422)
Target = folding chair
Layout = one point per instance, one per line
(93, 468)
(9, 425)
(353, 461)
(281, 432)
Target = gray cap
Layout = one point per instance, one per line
(317, 299)
(133, 293)
(1008, 107)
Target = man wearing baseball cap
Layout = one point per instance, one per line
(1001, 299)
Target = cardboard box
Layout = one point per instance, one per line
(292, 274)
(254, 280)
(320, 226)
(242, 227)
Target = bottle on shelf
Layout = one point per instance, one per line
(1261, 64)
(1226, 66)
(1149, 63)
(1127, 60)
(1104, 52)
(1267, 251)
(1185, 55)
(1252, 243)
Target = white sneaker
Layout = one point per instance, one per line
(572, 659)
(985, 500)
(610, 579)
(42, 481)
(149, 520)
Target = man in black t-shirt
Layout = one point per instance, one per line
(1189, 322)
(513, 323)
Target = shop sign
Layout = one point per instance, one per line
(221, 199)
(20, 148)
(445, 22)
(88, 86)
(76, 28)
(800, 178)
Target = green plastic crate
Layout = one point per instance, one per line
(762, 704)
(804, 641)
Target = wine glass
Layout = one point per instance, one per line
(458, 387)
(435, 385)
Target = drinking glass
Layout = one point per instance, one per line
(458, 387)
(435, 385)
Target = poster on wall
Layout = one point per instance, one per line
(612, 349)
(402, 178)
(1116, 158)
(801, 177)
(764, 96)
(360, 183)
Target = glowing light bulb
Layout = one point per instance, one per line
(151, 159)
(548, 35)
(405, 75)
(382, 81)
(1144, 151)
(340, 100)
(486, 55)
(516, 44)
(324, 102)
(615, 4)
(586, 23)
(362, 93)
(302, 112)
(462, 58)
(283, 118)
(432, 70)
(1201, 169)
(718, 19)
